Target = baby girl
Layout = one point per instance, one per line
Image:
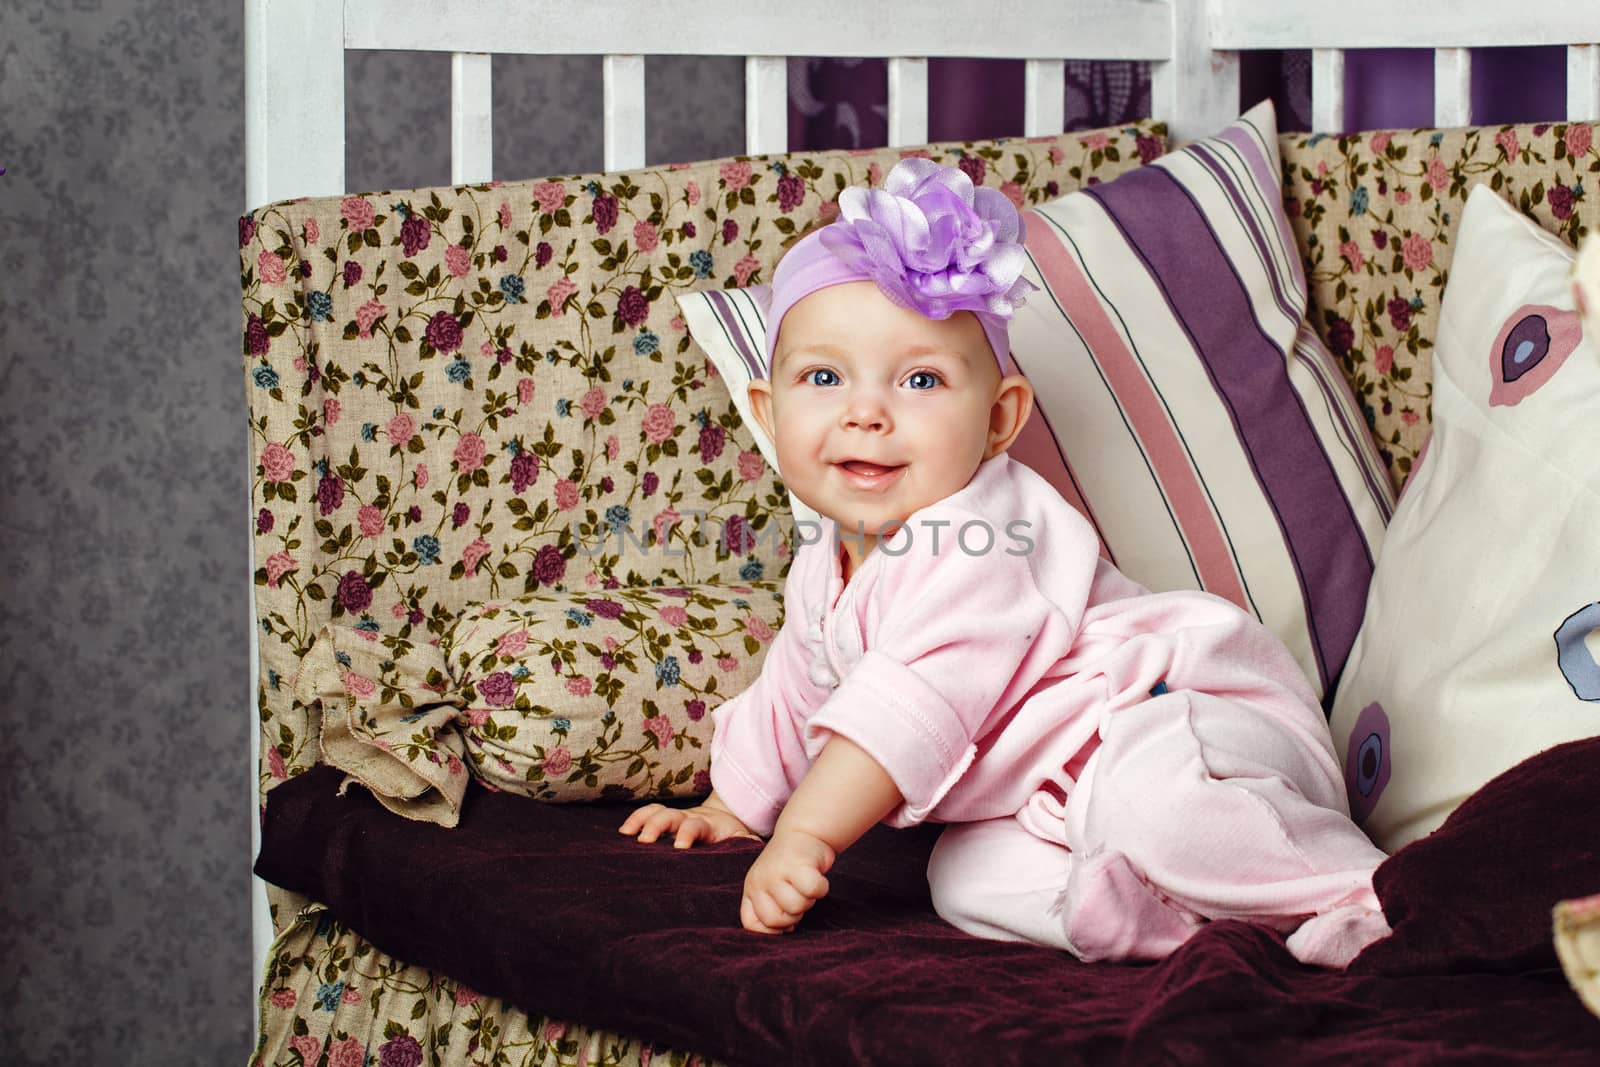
(1117, 766)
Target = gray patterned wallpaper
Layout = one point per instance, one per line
(124, 777)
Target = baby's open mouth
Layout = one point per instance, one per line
(861, 466)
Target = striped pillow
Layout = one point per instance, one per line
(1183, 403)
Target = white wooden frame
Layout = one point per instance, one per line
(294, 81)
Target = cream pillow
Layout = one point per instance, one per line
(1481, 637)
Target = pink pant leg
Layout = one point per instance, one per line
(994, 879)
(998, 880)
(1228, 813)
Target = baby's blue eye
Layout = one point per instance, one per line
(927, 376)
(822, 370)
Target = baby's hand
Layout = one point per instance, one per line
(784, 882)
(709, 823)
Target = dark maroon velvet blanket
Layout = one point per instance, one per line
(550, 908)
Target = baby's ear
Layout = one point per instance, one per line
(760, 392)
(1013, 404)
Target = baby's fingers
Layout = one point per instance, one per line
(656, 822)
(692, 829)
(813, 884)
(759, 914)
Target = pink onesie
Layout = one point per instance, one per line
(1123, 764)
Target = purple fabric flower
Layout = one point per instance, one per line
(354, 592)
(730, 230)
(414, 235)
(1560, 201)
(330, 494)
(632, 306)
(264, 521)
(974, 167)
(791, 192)
(247, 229)
(524, 471)
(352, 273)
(415, 616)
(498, 690)
(401, 1050)
(444, 332)
(1400, 314)
(606, 609)
(652, 481)
(460, 514)
(695, 709)
(687, 229)
(1149, 148)
(548, 566)
(737, 535)
(605, 212)
(256, 341)
(933, 242)
(500, 254)
(696, 656)
(1341, 335)
(711, 441)
(542, 253)
(1380, 239)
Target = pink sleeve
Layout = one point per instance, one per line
(961, 639)
(758, 754)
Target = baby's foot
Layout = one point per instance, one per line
(1336, 937)
(1111, 913)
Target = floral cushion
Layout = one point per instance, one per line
(558, 696)
(468, 394)
(330, 997)
(1375, 217)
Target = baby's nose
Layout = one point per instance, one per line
(865, 410)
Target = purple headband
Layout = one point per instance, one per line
(930, 240)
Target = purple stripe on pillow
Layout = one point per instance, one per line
(1253, 147)
(1164, 226)
(1292, 308)
(731, 325)
(1341, 401)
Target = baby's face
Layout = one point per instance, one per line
(875, 410)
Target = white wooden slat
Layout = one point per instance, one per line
(1044, 97)
(1327, 90)
(471, 118)
(1196, 90)
(908, 101)
(1583, 83)
(1452, 87)
(1004, 29)
(260, 907)
(623, 107)
(294, 146)
(766, 104)
(1245, 24)
(294, 100)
